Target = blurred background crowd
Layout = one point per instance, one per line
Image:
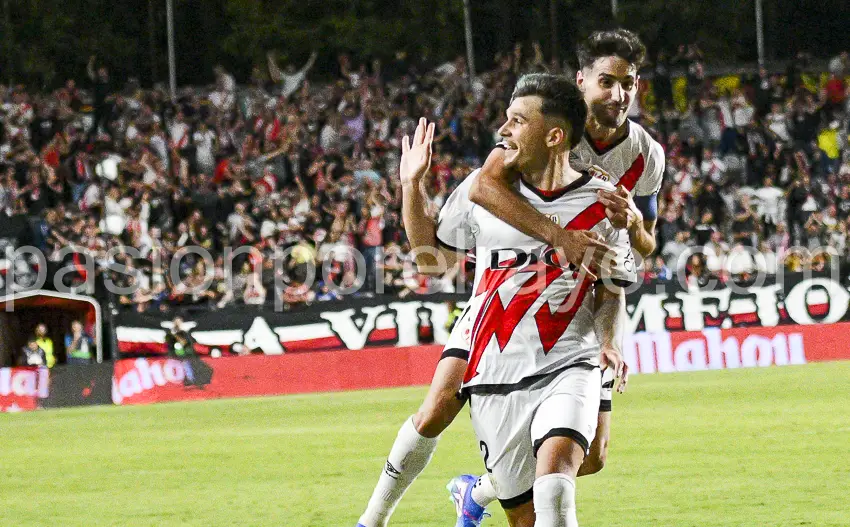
(303, 163)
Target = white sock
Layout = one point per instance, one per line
(555, 501)
(409, 455)
(483, 492)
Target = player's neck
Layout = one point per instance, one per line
(555, 175)
(605, 134)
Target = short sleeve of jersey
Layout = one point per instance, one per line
(624, 267)
(650, 181)
(454, 226)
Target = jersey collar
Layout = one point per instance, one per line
(552, 195)
(601, 150)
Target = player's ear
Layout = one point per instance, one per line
(580, 79)
(556, 136)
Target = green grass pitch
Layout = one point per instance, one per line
(755, 448)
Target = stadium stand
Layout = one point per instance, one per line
(755, 160)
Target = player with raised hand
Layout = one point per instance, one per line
(417, 439)
(614, 149)
(539, 331)
(535, 153)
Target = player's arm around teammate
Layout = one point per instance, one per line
(494, 190)
(608, 77)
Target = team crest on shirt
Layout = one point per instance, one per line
(598, 172)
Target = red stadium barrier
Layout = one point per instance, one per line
(736, 348)
(21, 389)
(141, 381)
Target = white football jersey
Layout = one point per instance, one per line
(635, 162)
(529, 316)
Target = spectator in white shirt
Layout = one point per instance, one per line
(224, 96)
(290, 79)
(240, 224)
(742, 111)
(115, 217)
(158, 142)
(179, 132)
(204, 140)
(674, 249)
(330, 137)
(224, 81)
(716, 252)
(712, 166)
(770, 202)
(777, 123)
(838, 238)
(739, 260)
(766, 260)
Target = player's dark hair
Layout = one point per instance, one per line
(561, 98)
(619, 42)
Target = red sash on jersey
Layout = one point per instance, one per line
(593, 214)
(496, 319)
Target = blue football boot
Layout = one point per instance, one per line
(469, 513)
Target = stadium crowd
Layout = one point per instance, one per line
(283, 163)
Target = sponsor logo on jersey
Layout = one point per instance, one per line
(517, 258)
(599, 173)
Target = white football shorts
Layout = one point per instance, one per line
(511, 427)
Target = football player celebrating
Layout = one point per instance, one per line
(560, 335)
(616, 149)
(613, 148)
(536, 331)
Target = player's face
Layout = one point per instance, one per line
(609, 87)
(524, 133)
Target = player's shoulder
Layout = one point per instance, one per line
(466, 182)
(459, 197)
(648, 146)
